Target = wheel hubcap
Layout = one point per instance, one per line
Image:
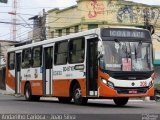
(77, 93)
(27, 93)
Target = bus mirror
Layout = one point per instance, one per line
(100, 50)
(100, 55)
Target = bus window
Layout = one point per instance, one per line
(61, 53)
(26, 58)
(76, 54)
(37, 56)
(11, 61)
(49, 57)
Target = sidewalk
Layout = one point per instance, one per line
(1, 91)
(4, 92)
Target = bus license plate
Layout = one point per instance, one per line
(132, 92)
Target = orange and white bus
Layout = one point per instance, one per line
(110, 63)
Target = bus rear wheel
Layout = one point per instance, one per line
(120, 101)
(77, 95)
(65, 99)
(28, 94)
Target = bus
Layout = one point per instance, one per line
(102, 63)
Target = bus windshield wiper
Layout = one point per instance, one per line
(124, 49)
(137, 49)
(139, 46)
(127, 54)
(117, 41)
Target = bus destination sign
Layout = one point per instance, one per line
(125, 33)
(134, 34)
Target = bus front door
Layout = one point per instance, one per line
(92, 68)
(47, 74)
(18, 73)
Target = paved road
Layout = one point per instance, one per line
(12, 105)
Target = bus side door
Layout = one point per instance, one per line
(18, 72)
(92, 67)
(47, 70)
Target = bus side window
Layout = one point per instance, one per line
(26, 58)
(77, 50)
(49, 58)
(11, 61)
(61, 53)
(37, 56)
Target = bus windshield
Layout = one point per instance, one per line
(127, 56)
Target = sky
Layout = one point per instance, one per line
(29, 8)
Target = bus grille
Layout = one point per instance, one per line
(122, 90)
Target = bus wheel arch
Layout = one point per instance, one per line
(73, 82)
(28, 93)
(75, 91)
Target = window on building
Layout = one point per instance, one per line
(76, 50)
(37, 56)
(11, 61)
(67, 31)
(92, 26)
(59, 33)
(61, 53)
(52, 34)
(26, 58)
(76, 29)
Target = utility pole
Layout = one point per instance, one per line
(43, 26)
(39, 27)
(147, 21)
(14, 19)
(146, 18)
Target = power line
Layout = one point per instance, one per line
(5, 35)
(40, 7)
(9, 33)
(15, 23)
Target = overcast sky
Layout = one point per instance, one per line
(33, 7)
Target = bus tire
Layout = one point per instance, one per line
(64, 99)
(120, 101)
(28, 92)
(35, 98)
(77, 95)
(156, 96)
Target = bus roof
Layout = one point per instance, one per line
(95, 31)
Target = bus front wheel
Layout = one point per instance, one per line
(77, 95)
(120, 101)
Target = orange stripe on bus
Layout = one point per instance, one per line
(36, 86)
(62, 87)
(10, 79)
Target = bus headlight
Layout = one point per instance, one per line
(108, 83)
(104, 81)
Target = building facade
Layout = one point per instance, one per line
(4, 45)
(89, 14)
